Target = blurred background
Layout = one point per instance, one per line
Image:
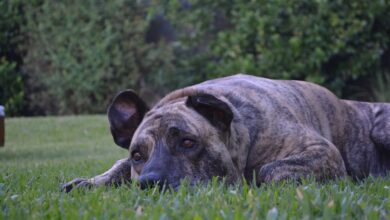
(71, 57)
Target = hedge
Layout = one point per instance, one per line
(339, 44)
(73, 56)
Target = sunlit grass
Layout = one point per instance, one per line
(42, 153)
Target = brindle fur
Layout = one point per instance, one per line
(279, 130)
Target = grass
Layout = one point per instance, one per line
(42, 153)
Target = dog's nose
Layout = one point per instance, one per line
(150, 180)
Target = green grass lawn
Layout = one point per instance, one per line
(42, 153)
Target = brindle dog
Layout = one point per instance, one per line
(246, 126)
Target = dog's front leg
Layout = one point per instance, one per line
(116, 175)
(320, 160)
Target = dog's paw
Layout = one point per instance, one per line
(76, 183)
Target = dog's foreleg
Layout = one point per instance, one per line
(320, 159)
(120, 172)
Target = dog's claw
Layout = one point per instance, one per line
(76, 183)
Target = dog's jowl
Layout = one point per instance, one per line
(246, 127)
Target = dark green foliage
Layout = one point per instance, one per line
(11, 83)
(333, 43)
(78, 54)
(81, 53)
(11, 87)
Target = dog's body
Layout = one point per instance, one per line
(246, 126)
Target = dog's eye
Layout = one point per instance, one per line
(187, 143)
(136, 156)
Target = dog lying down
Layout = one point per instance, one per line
(245, 126)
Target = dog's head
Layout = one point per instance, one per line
(184, 138)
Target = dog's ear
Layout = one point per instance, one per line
(216, 111)
(125, 114)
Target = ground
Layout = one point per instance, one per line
(42, 153)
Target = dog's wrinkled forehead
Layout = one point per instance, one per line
(177, 115)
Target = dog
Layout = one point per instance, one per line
(247, 127)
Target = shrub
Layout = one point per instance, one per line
(338, 44)
(80, 53)
(11, 82)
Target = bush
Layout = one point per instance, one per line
(338, 44)
(11, 82)
(11, 88)
(78, 54)
(81, 53)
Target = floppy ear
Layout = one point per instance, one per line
(125, 114)
(216, 111)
